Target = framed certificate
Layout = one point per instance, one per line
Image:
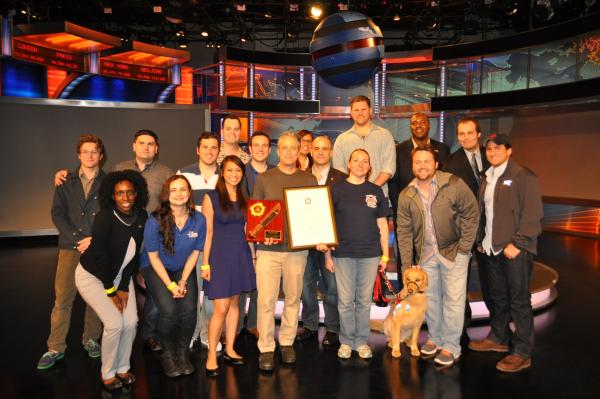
(265, 220)
(309, 215)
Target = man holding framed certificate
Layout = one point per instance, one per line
(276, 263)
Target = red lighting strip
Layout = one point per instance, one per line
(183, 92)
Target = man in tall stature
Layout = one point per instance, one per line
(511, 208)
(376, 140)
(74, 207)
(231, 129)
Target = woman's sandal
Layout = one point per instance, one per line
(112, 384)
(126, 378)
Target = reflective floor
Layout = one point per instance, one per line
(565, 359)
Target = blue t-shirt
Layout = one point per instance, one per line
(188, 239)
(357, 208)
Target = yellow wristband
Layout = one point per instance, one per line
(205, 267)
(385, 258)
(172, 285)
(110, 290)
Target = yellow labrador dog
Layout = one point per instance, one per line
(404, 320)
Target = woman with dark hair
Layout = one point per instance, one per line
(103, 276)
(173, 239)
(227, 260)
(304, 158)
(361, 211)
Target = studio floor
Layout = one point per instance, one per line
(566, 357)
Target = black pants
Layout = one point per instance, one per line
(508, 284)
(177, 317)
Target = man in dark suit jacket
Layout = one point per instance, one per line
(315, 264)
(469, 163)
(419, 127)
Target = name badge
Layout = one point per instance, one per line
(192, 234)
(507, 182)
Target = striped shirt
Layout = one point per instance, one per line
(200, 184)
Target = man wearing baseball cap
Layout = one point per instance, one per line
(511, 211)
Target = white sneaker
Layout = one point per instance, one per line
(345, 351)
(205, 344)
(364, 351)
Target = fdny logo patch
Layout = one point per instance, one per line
(371, 200)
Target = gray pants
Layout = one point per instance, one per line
(119, 328)
(65, 291)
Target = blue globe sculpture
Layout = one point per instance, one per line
(346, 49)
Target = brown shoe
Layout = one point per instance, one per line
(254, 331)
(513, 363)
(487, 345)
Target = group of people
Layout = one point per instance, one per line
(185, 232)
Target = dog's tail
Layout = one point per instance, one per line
(377, 325)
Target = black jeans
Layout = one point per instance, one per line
(508, 283)
(177, 317)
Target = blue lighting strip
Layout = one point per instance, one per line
(301, 83)
(74, 83)
(250, 125)
(166, 93)
(313, 87)
(251, 81)
(442, 94)
(6, 36)
(383, 79)
(93, 62)
(376, 99)
(221, 79)
(176, 74)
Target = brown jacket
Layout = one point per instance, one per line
(518, 209)
(455, 219)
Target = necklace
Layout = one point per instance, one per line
(132, 217)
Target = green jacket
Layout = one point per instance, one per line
(455, 215)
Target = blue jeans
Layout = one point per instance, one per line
(315, 266)
(446, 298)
(355, 278)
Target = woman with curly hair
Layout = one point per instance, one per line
(173, 239)
(103, 276)
(227, 260)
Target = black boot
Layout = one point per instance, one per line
(169, 365)
(182, 357)
(168, 359)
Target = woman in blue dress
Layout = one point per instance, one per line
(227, 260)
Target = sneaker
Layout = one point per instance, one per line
(345, 351)
(364, 351)
(429, 348)
(445, 358)
(92, 347)
(205, 344)
(49, 358)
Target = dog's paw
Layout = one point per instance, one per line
(415, 352)
(396, 353)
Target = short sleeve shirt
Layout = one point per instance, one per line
(188, 239)
(357, 208)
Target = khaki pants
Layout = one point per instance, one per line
(65, 291)
(271, 267)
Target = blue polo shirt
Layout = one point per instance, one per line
(188, 239)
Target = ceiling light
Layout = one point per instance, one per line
(157, 9)
(204, 33)
(342, 6)
(268, 15)
(183, 43)
(316, 11)
(294, 7)
(396, 17)
(107, 10)
(240, 7)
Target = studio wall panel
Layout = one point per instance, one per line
(39, 137)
